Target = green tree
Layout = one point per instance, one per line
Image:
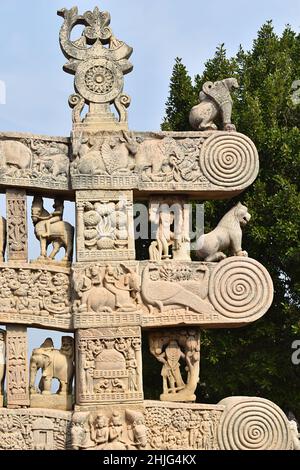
(181, 99)
(256, 360)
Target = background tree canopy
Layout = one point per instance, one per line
(256, 360)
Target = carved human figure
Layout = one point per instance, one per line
(172, 380)
(57, 232)
(226, 236)
(55, 363)
(215, 104)
(2, 362)
(99, 431)
(172, 221)
(170, 347)
(2, 238)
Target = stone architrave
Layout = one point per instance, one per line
(16, 225)
(105, 225)
(108, 365)
(17, 384)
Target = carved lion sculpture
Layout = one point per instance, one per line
(55, 363)
(226, 236)
(215, 103)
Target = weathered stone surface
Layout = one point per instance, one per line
(211, 163)
(110, 428)
(251, 423)
(233, 292)
(17, 383)
(16, 226)
(105, 225)
(35, 295)
(34, 161)
(34, 429)
(106, 294)
(108, 365)
(170, 347)
(236, 423)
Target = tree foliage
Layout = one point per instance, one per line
(256, 360)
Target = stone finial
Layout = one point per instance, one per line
(215, 104)
(98, 60)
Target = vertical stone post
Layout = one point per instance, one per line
(17, 382)
(16, 213)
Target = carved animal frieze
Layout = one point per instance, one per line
(237, 290)
(212, 162)
(30, 160)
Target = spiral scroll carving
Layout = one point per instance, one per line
(253, 424)
(229, 159)
(240, 288)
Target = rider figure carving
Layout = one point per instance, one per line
(55, 216)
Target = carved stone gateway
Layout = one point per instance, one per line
(105, 300)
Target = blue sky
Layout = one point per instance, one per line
(37, 89)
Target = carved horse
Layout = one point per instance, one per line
(61, 233)
(2, 238)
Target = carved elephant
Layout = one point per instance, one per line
(2, 238)
(55, 364)
(14, 154)
(153, 154)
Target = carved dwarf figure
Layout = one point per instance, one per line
(215, 103)
(226, 236)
